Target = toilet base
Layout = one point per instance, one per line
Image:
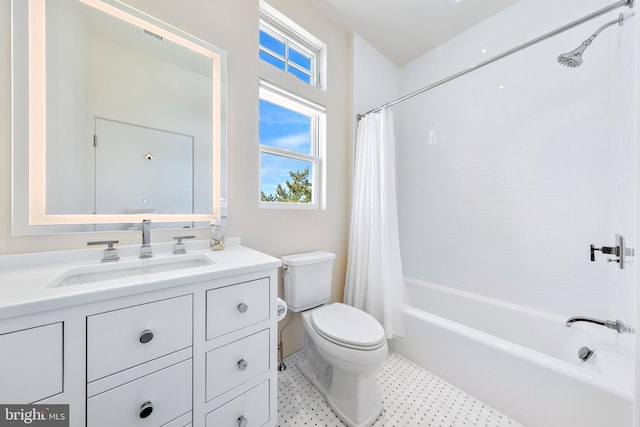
(342, 402)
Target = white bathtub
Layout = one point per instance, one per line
(520, 361)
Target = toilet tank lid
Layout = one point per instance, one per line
(308, 258)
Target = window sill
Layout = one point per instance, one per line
(289, 206)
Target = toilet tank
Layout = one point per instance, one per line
(307, 279)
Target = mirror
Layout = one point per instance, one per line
(118, 117)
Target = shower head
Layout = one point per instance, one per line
(574, 58)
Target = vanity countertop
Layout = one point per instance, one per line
(27, 281)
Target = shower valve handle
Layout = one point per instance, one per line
(620, 252)
(611, 250)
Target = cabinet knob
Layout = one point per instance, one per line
(242, 307)
(242, 364)
(146, 336)
(242, 421)
(146, 409)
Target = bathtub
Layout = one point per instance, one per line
(521, 361)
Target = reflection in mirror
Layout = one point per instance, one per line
(125, 124)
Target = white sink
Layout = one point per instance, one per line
(122, 269)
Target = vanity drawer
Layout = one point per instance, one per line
(252, 406)
(31, 364)
(120, 339)
(233, 307)
(233, 364)
(161, 396)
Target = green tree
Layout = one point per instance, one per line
(298, 190)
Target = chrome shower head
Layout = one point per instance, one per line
(574, 58)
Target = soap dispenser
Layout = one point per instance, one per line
(216, 237)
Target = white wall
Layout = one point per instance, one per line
(376, 79)
(510, 172)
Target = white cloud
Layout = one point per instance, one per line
(299, 142)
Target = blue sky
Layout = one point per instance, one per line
(282, 128)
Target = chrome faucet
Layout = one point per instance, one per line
(611, 324)
(145, 249)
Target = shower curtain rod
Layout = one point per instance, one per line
(616, 5)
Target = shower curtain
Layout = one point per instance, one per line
(374, 269)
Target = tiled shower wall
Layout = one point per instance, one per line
(509, 173)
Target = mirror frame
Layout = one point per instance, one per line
(29, 120)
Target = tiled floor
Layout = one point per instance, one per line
(411, 396)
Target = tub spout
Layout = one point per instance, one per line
(611, 324)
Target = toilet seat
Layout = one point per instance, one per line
(348, 327)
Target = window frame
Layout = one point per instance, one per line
(292, 35)
(288, 100)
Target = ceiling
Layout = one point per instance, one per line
(405, 29)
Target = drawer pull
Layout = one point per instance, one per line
(146, 409)
(242, 364)
(146, 336)
(242, 421)
(242, 307)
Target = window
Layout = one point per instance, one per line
(292, 117)
(291, 133)
(283, 54)
(288, 47)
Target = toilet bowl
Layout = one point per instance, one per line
(344, 347)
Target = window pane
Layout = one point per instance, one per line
(271, 43)
(283, 128)
(285, 180)
(272, 60)
(299, 58)
(299, 74)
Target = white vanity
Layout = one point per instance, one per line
(192, 344)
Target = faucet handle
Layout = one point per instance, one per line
(180, 249)
(611, 250)
(111, 253)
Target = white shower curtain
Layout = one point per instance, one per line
(374, 269)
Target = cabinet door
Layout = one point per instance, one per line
(250, 409)
(153, 400)
(235, 363)
(31, 364)
(233, 307)
(120, 339)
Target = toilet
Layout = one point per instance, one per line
(343, 346)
